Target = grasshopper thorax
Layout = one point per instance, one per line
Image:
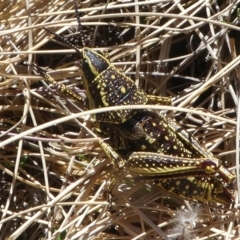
(106, 86)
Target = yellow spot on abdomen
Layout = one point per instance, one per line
(123, 89)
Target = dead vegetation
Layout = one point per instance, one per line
(54, 175)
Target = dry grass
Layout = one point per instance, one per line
(54, 174)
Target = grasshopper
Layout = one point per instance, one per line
(145, 142)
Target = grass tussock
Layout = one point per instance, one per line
(54, 175)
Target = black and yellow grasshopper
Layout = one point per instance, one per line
(145, 142)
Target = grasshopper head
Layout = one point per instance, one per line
(94, 63)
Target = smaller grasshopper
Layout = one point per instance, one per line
(147, 144)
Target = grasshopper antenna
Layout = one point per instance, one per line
(80, 28)
(63, 40)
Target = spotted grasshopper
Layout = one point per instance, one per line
(146, 143)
